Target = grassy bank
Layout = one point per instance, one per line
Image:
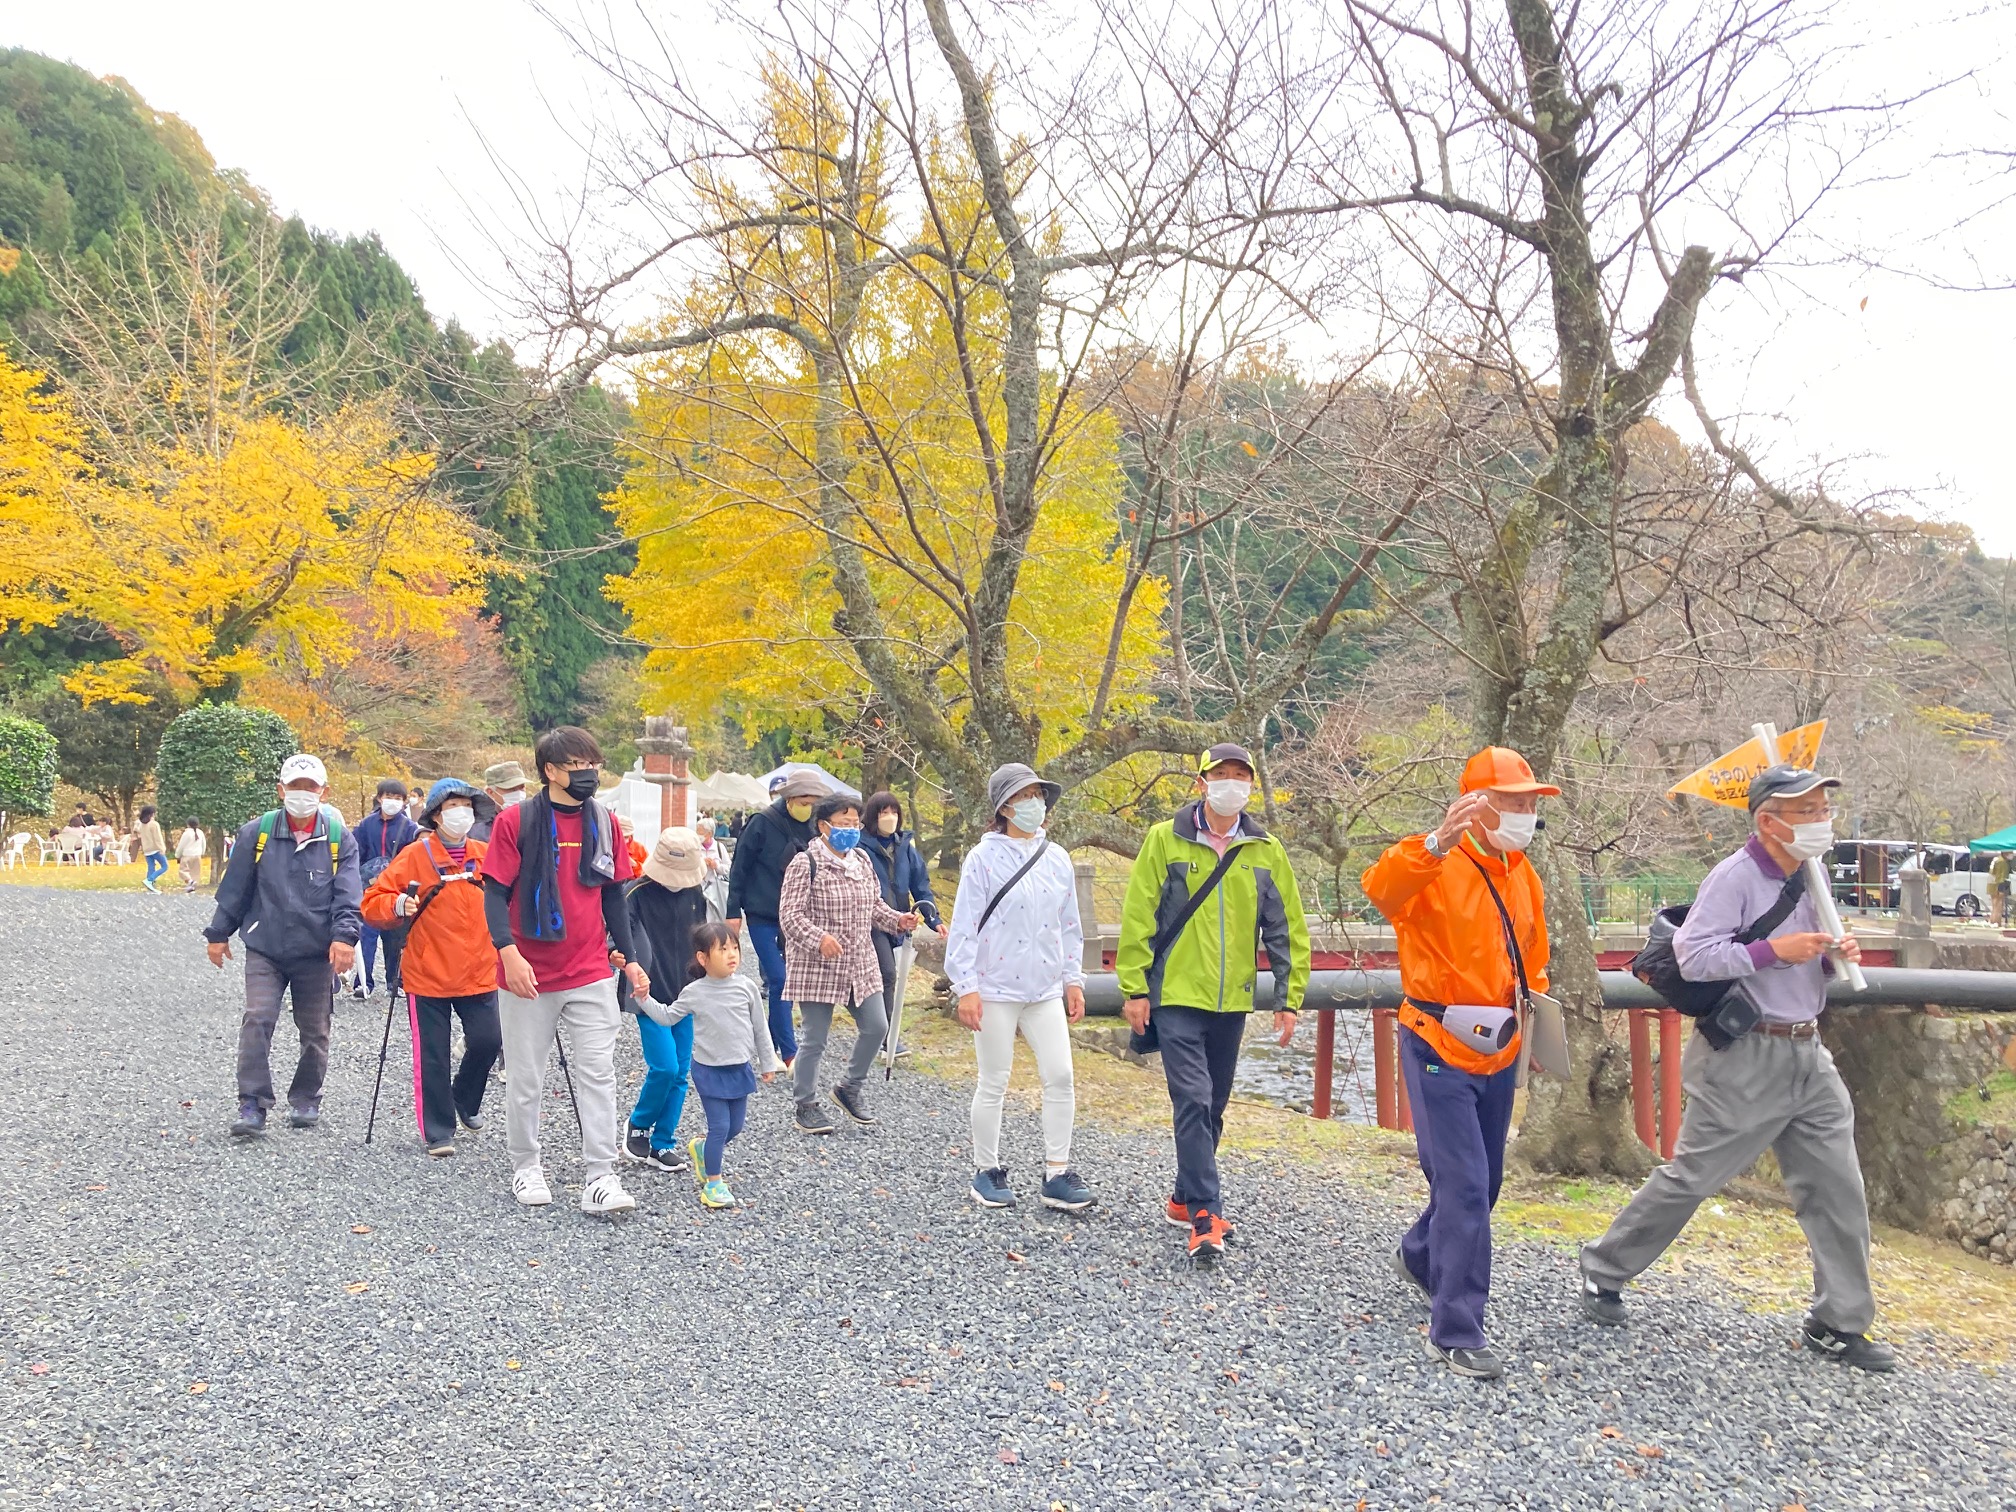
(1756, 1251)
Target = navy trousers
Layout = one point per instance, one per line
(1200, 1051)
(1460, 1122)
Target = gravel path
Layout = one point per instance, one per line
(857, 1336)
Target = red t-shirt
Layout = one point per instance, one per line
(582, 957)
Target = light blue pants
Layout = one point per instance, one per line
(668, 1060)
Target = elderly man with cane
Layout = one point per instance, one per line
(1468, 917)
(1757, 1076)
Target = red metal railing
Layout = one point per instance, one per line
(1655, 1080)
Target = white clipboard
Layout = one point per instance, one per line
(1548, 1049)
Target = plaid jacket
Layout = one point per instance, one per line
(843, 899)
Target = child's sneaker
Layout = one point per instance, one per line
(666, 1159)
(605, 1195)
(696, 1151)
(714, 1193)
(636, 1143)
(529, 1187)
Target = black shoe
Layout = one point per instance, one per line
(304, 1118)
(250, 1122)
(852, 1104)
(1413, 1282)
(1601, 1305)
(1859, 1350)
(811, 1121)
(667, 1159)
(636, 1143)
(1477, 1364)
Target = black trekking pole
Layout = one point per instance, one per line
(385, 1044)
(559, 1045)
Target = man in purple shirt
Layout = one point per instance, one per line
(1773, 1088)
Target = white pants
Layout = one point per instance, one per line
(1049, 1034)
(591, 1018)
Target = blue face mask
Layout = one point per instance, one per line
(843, 840)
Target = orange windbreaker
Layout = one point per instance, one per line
(1452, 947)
(448, 952)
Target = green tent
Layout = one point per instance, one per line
(2001, 840)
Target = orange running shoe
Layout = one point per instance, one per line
(1207, 1236)
(1178, 1213)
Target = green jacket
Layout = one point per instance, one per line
(1214, 962)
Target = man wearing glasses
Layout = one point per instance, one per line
(1773, 1088)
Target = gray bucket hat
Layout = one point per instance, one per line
(1009, 780)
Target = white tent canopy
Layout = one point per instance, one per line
(727, 792)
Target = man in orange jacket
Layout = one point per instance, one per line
(1466, 910)
(449, 966)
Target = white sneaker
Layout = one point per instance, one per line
(605, 1194)
(529, 1187)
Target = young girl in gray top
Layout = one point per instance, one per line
(731, 1037)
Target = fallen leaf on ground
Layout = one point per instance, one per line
(1230, 1375)
(360, 1228)
(1010, 1457)
(38, 1368)
(1610, 1432)
(357, 1286)
(1018, 1257)
(197, 1388)
(1651, 1451)
(511, 1365)
(533, 1263)
(98, 1188)
(1055, 1385)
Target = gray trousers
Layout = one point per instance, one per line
(871, 1023)
(310, 982)
(1761, 1093)
(590, 1016)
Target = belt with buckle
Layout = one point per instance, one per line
(1807, 1029)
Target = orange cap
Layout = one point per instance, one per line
(1503, 770)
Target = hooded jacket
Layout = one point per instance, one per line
(662, 921)
(1214, 962)
(756, 877)
(905, 879)
(294, 904)
(380, 839)
(448, 949)
(1034, 945)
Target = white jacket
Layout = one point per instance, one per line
(1035, 945)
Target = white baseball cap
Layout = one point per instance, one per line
(294, 768)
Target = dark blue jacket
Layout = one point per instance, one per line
(378, 842)
(297, 904)
(756, 875)
(905, 879)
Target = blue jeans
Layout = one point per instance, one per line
(668, 1058)
(1200, 1051)
(157, 866)
(769, 942)
(367, 952)
(1459, 1131)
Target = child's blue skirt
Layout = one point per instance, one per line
(724, 1081)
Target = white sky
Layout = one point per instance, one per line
(365, 116)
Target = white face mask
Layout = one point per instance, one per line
(1027, 814)
(1809, 840)
(457, 821)
(300, 805)
(1515, 831)
(511, 796)
(886, 823)
(1227, 796)
(391, 808)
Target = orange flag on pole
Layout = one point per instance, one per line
(1726, 779)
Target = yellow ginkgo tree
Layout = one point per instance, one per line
(207, 562)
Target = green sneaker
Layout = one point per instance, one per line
(697, 1148)
(714, 1193)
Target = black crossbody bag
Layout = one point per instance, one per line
(1724, 1012)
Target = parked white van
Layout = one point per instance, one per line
(1960, 882)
